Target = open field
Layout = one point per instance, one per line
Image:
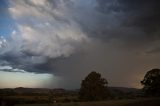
(136, 102)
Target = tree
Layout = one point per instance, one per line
(151, 82)
(93, 87)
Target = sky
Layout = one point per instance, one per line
(56, 43)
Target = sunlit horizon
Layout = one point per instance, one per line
(26, 79)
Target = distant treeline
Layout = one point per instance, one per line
(33, 95)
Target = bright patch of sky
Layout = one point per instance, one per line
(19, 79)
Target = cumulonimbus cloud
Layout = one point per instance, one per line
(67, 37)
(46, 28)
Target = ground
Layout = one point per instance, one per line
(135, 102)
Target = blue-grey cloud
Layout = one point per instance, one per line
(72, 37)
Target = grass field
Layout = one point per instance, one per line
(136, 102)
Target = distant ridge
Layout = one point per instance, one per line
(125, 89)
(61, 90)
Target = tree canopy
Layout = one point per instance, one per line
(93, 87)
(151, 82)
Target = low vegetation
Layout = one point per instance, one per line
(94, 91)
(126, 102)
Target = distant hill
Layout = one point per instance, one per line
(124, 92)
(31, 90)
(124, 89)
(36, 91)
(44, 95)
(20, 90)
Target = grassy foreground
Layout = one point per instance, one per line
(136, 102)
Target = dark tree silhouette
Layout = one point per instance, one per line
(93, 87)
(151, 83)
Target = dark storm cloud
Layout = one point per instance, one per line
(140, 19)
(154, 50)
(133, 22)
(16, 61)
(144, 14)
(121, 35)
(129, 29)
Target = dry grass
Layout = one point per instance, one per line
(136, 102)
